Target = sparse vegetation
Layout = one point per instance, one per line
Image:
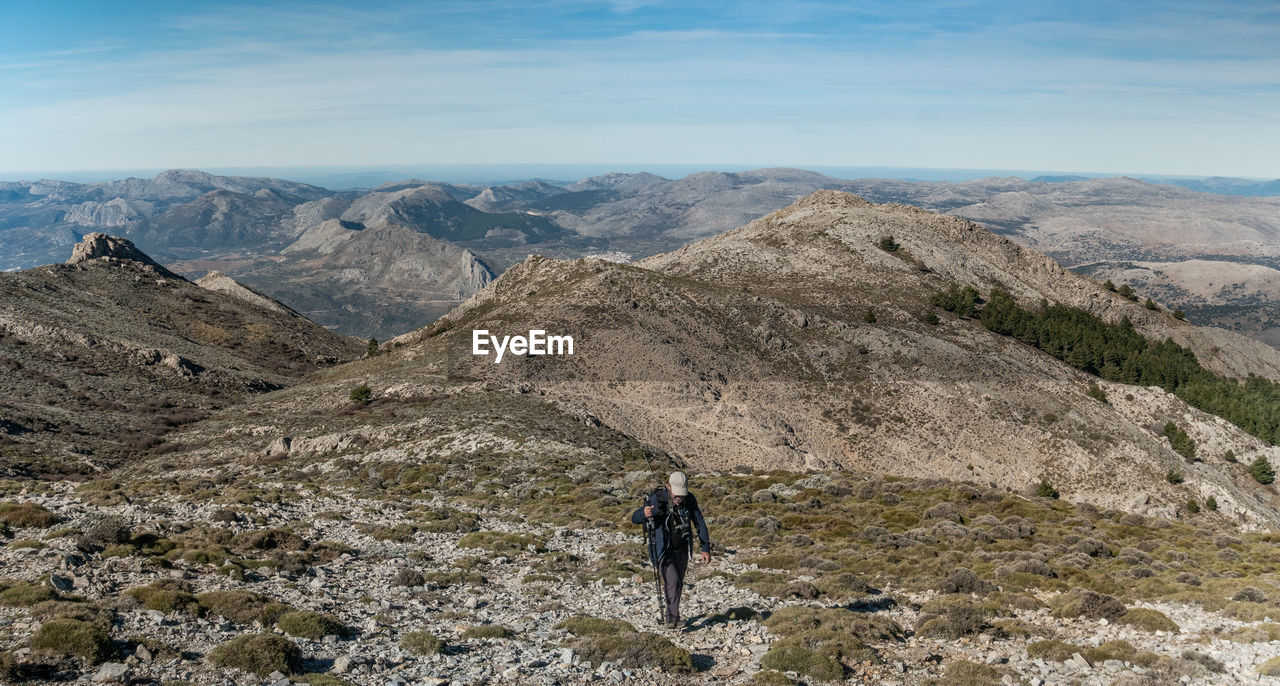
(73, 637)
(1173, 477)
(421, 643)
(260, 654)
(1044, 490)
(1095, 391)
(888, 244)
(361, 395)
(25, 515)
(1179, 440)
(1261, 471)
(312, 625)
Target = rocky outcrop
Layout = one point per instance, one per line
(221, 283)
(96, 246)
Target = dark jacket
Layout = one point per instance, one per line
(664, 517)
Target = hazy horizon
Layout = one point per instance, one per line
(495, 174)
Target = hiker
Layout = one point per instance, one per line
(675, 515)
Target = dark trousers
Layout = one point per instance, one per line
(673, 566)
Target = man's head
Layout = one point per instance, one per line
(678, 484)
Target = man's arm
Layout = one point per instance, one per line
(695, 513)
(638, 517)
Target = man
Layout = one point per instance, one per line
(674, 515)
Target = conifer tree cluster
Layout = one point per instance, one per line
(1117, 352)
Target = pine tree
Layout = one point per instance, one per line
(1261, 471)
(371, 348)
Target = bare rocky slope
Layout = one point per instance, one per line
(796, 342)
(103, 354)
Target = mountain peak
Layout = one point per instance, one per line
(99, 245)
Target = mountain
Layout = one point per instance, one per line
(796, 342)
(376, 281)
(106, 353)
(423, 515)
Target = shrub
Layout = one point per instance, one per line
(1249, 594)
(1179, 314)
(312, 625)
(24, 594)
(487, 631)
(1150, 620)
(1179, 440)
(106, 532)
(865, 627)
(1109, 285)
(1229, 456)
(407, 577)
(361, 394)
(1086, 603)
(421, 643)
(634, 650)
(1095, 391)
(770, 677)
(966, 673)
(1127, 291)
(73, 637)
(1056, 651)
(499, 542)
(952, 617)
(268, 539)
(584, 625)
(1173, 477)
(243, 607)
(1261, 471)
(371, 349)
(1270, 667)
(1150, 304)
(1044, 490)
(261, 654)
(962, 580)
(888, 244)
(167, 595)
(28, 514)
(932, 320)
(869, 316)
(1193, 507)
(1211, 504)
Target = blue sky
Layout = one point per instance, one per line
(1142, 87)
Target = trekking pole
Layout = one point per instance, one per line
(649, 543)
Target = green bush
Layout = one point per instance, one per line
(499, 542)
(24, 515)
(1150, 304)
(1193, 507)
(361, 394)
(1179, 440)
(1150, 620)
(24, 594)
(309, 624)
(166, 596)
(260, 654)
(1095, 391)
(421, 643)
(634, 650)
(1261, 471)
(966, 673)
(243, 607)
(73, 637)
(1211, 504)
(1044, 490)
(487, 631)
(888, 244)
(1173, 477)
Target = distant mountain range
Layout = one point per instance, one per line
(383, 261)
